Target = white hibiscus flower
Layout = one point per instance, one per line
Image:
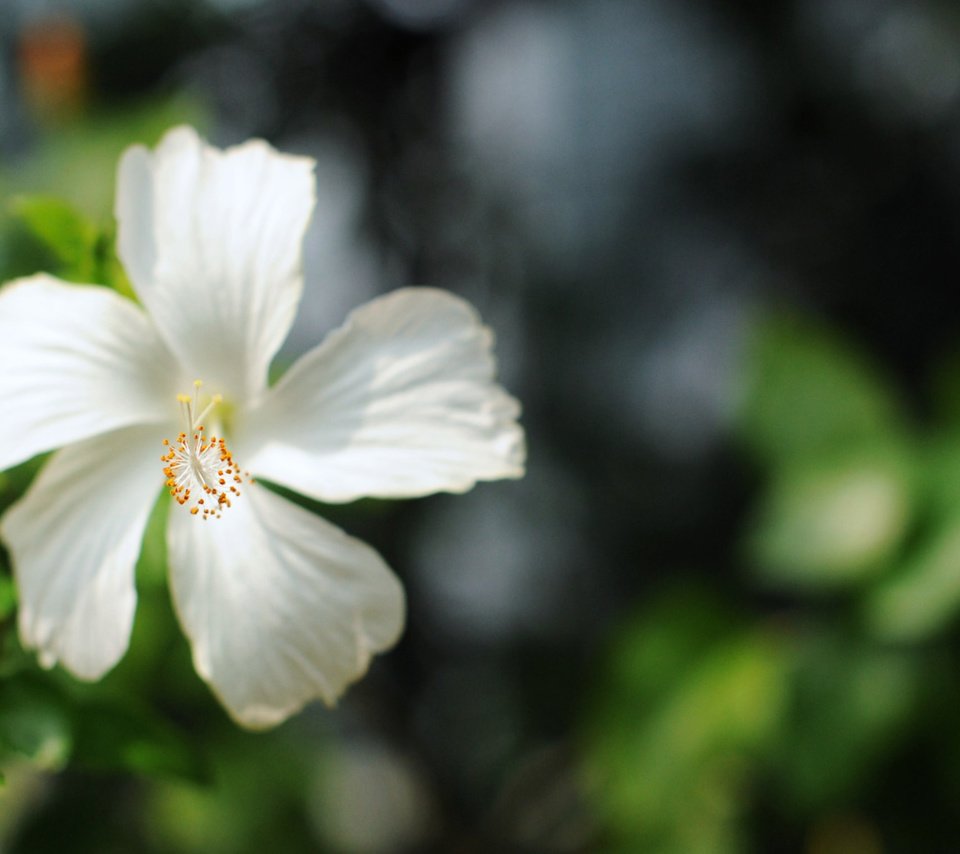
(280, 606)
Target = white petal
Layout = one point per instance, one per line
(281, 607)
(75, 361)
(74, 539)
(212, 242)
(398, 402)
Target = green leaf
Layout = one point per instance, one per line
(923, 597)
(259, 781)
(35, 719)
(850, 701)
(63, 231)
(938, 472)
(807, 393)
(115, 736)
(672, 761)
(679, 627)
(52, 721)
(8, 596)
(830, 524)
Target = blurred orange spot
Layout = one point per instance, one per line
(53, 68)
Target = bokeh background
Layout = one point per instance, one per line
(716, 240)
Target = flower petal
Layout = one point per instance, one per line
(398, 402)
(280, 606)
(74, 538)
(212, 242)
(75, 361)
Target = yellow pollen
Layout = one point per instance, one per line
(194, 462)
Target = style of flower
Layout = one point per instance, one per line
(280, 606)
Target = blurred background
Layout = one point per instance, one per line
(714, 238)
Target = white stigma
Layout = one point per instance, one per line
(200, 470)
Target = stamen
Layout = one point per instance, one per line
(195, 463)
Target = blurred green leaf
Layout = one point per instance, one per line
(47, 234)
(51, 720)
(18, 478)
(35, 719)
(938, 473)
(923, 596)
(260, 781)
(8, 596)
(116, 736)
(681, 626)
(850, 702)
(830, 523)
(673, 764)
(808, 392)
(61, 229)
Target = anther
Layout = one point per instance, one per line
(196, 462)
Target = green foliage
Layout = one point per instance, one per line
(256, 784)
(692, 698)
(831, 522)
(8, 597)
(119, 736)
(808, 392)
(920, 596)
(53, 722)
(851, 701)
(839, 459)
(852, 494)
(47, 234)
(923, 596)
(35, 719)
(705, 721)
(59, 228)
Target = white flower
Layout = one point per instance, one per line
(280, 606)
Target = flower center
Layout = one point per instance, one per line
(200, 470)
